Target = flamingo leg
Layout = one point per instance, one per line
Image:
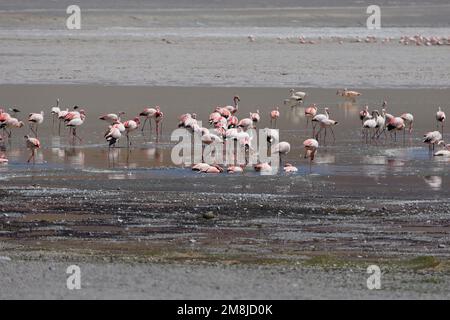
(143, 125)
(332, 132)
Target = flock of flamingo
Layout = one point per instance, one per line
(225, 126)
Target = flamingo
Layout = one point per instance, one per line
(299, 94)
(310, 113)
(324, 124)
(235, 108)
(289, 168)
(255, 117)
(396, 124)
(348, 94)
(214, 117)
(295, 98)
(440, 117)
(32, 144)
(55, 112)
(3, 118)
(262, 167)
(232, 122)
(445, 151)
(370, 125)
(10, 124)
(159, 115)
(111, 117)
(319, 117)
(432, 138)
(235, 169)
(365, 115)
(206, 168)
(381, 121)
(130, 126)
(200, 166)
(311, 146)
(245, 124)
(282, 148)
(112, 136)
(274, 115)
(35, 119)
(409, 119)
(14, 111)
(76, 122)
(3, 159)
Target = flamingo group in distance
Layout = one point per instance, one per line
(225, 125)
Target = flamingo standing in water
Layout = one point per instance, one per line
(319, 117)
(282, 148)
(408, 118)
(274, 115)
(113, 135)
(348, 94)
(432, 138)
(149, 114)
(310, 113)
(325, 124)
(112, 117)
(35, 119)
(396, 124)
(311, 146)
(130, 126)
(289, 168)
(445, 151)
(295, 98)
(159, 116)
(255, 117)
(74, 122)
(32, 144)
(440, 118)
(235, 108)
(11, 123)
(365, 115)
(55, 112)
(370, 125)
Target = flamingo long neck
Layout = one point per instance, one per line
(236, 104)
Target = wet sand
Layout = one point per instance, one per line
(384, 203)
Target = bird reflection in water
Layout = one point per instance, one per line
(434, 182)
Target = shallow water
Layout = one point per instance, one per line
(349, 155)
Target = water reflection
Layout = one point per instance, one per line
(434, 182)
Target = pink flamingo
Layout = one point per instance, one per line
(32, 144)
(111, 117)
(11, 123)
(245, 124)
(311, 146)
(235, 108)
(432, 138)
(76, 121)
(159, 115)
(440, 117)
(255, 117)
(289, 168)
(274, 115)
(408, 118)
(396, 124)
(35, 119)
(310, 113)
(325, 124)
(130, 126)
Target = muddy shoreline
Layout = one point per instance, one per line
(128, 232)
